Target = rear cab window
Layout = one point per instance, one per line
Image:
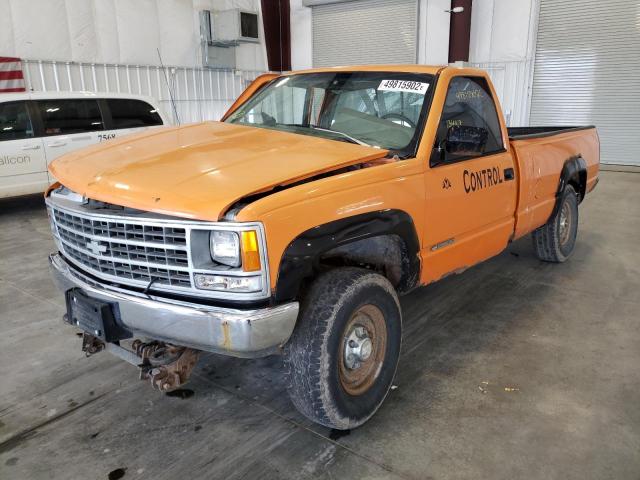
(468, 103)
(128, 113)
(15, 121)
(69, 116)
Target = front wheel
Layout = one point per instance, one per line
(343, 355)
(555, 240)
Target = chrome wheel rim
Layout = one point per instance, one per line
(564, 228)
(362, 351)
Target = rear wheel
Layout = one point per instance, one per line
(555, 241)
(343, 354)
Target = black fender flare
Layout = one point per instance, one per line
(573, 170)
(302, 254)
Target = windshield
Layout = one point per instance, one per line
(380, 109)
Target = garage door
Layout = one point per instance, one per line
(587, 71)
(365, 32)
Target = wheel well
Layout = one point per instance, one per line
(385, 241)
(579, 183)
(386, 254)
(574, 173)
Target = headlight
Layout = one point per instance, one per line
(226, 260)
(225, 248)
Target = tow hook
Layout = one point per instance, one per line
(166, 366)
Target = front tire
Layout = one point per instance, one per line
(555, 240)
(343, 355)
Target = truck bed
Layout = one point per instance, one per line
(521, 133)
(541, 154)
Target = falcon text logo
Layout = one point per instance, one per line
(14, 160)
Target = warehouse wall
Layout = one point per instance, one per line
(502, 42)
(501, 30)
(116, 31)
(503, 38)
(301, 36)
(433, 33)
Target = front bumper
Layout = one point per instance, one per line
(239, 333)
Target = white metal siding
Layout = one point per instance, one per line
(365, 32)
(512, 81)
(587, 71)
(199, 93)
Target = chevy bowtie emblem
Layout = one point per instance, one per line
(96, 247)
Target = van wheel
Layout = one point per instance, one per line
(344, 352)
(554, 241)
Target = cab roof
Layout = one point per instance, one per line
(405, 68)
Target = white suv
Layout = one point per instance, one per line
(36, 128)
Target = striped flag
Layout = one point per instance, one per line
(11, 77)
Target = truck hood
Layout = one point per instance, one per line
(198, 171)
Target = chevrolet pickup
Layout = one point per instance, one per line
(292, 225)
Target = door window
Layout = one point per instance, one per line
(127, 113)
(65, 117)
(468, 104)
(15, 122)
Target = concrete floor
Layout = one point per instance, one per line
(515, 369)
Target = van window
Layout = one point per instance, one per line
(64, 117)
(132, 113)
(469, 104)
(15, 122)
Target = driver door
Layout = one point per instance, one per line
(471, 195)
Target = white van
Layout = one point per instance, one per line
(38, 127)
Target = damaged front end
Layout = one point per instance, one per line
(163, 336)
(167, 367)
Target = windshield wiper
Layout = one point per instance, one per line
(345, 135)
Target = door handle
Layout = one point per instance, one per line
(509, 174)
(31, 147)
(57, 144)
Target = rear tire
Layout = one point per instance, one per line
(343, 355)
(555, 240)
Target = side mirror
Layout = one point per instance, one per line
(465, 140)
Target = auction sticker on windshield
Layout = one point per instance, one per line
(404, 86)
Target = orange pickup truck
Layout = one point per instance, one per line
(292, 225)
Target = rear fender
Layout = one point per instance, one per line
(574, 172)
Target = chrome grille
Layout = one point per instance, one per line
(138, 252)
(128, 247)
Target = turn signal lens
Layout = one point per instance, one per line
(224, 283)
(250, 252)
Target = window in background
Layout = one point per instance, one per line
(15, 122)
(65, 117)
(132, 114)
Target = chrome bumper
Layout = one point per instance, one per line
(239, 333)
